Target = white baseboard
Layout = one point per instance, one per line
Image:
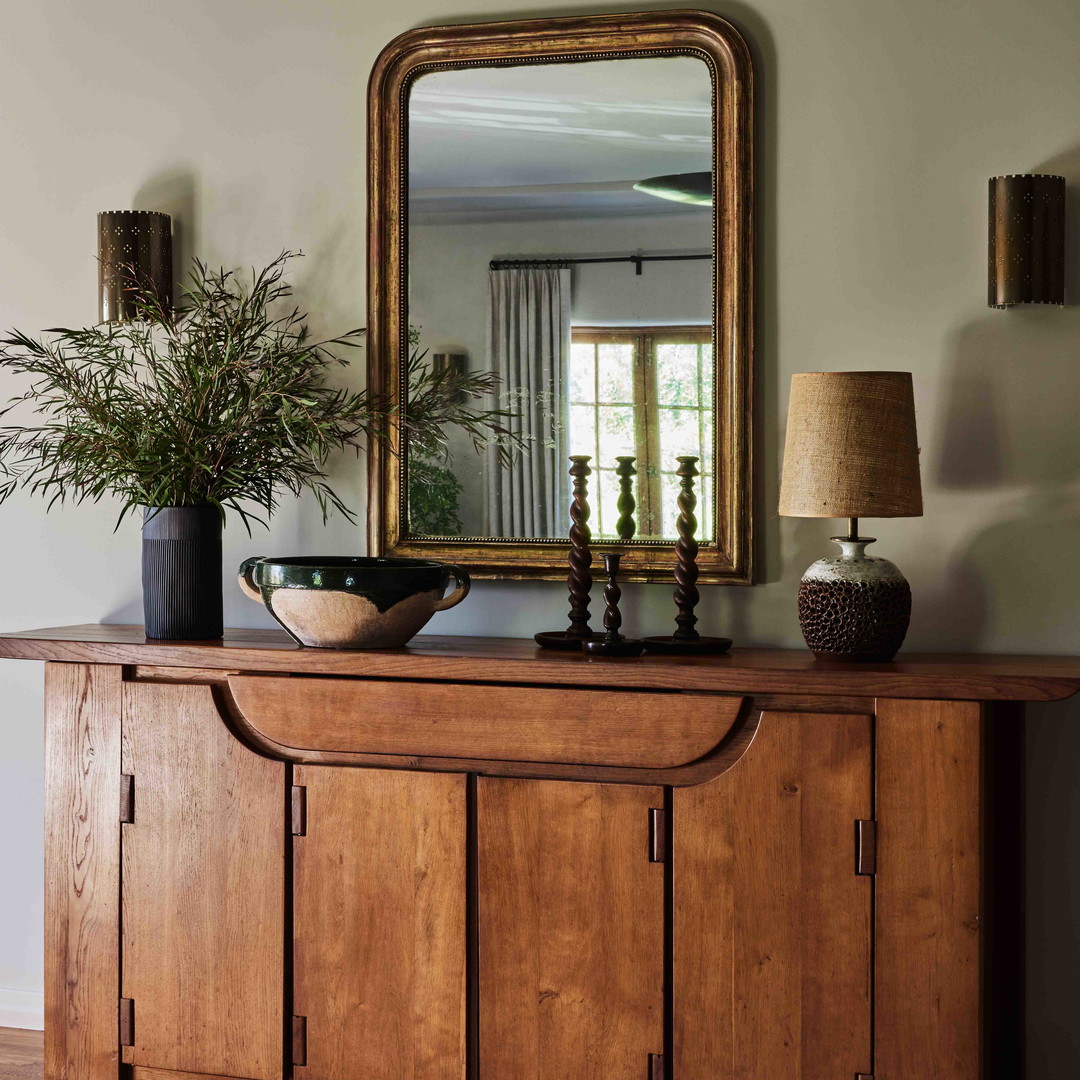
(22, 1009)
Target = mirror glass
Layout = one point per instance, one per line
(559, 245)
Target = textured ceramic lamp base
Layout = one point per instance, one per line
(854, 607)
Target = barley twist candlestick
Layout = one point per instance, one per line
(626, 527)
(686, 639)
(580, 579)
(686, 550)
(612, 643)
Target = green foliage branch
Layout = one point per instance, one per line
(221, 401)
(434, 493)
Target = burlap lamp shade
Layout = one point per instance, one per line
(852, 452)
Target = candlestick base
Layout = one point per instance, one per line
(700, 646)
(562, 639)
(612, 646)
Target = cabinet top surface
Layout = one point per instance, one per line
(518, 660)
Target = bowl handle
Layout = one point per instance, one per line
(459, 594)
(246, 580)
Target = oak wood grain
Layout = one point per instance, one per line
(952, 676)
(82, 871)
(142, 1072)
(379, 917)
(772, 932)
(203, 889)
(514, 660)
(151, 673)
(791, 979)
(928, 901)
(635, 730)
(571, 931)
(706, 768)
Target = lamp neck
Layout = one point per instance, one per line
(853, 548)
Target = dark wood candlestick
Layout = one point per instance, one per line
(686, 639)
(580, 579)
(612, 643)
(626, 527)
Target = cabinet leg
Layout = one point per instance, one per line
(82, 880)
(927, 993)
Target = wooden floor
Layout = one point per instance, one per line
(21, 1054)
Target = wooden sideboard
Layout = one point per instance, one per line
(474, 859)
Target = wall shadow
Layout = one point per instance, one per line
(1008, 421)
(172, 192)
(316, 281)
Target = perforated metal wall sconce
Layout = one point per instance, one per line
(456, 362)
(133, 245)
(1027, 240)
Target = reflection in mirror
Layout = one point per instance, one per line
(560, 237)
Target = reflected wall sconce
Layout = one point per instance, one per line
(1027, 240)
(456, 363)
(133, 246)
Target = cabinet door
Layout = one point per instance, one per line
(203, 889)
(571, 931)
(379, 924)
(772, 932)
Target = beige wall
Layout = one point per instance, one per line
(880, 122)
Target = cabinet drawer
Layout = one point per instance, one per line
(496, 723)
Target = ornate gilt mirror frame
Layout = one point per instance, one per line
(700, 34)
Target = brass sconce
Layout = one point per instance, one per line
(456, 362)
(1027, 240)
(133, 246)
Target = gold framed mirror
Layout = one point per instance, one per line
(560, 212)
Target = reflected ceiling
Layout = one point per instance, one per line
(537, 137)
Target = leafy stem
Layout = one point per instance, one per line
(222, 401)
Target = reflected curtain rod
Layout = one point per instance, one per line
(637, 260)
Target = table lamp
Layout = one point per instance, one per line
(851, 452)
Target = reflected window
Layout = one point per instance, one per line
(646, 392)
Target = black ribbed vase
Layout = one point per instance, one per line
(181, 573)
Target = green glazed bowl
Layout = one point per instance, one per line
(346, 602)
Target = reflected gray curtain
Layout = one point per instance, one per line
(529, 349)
